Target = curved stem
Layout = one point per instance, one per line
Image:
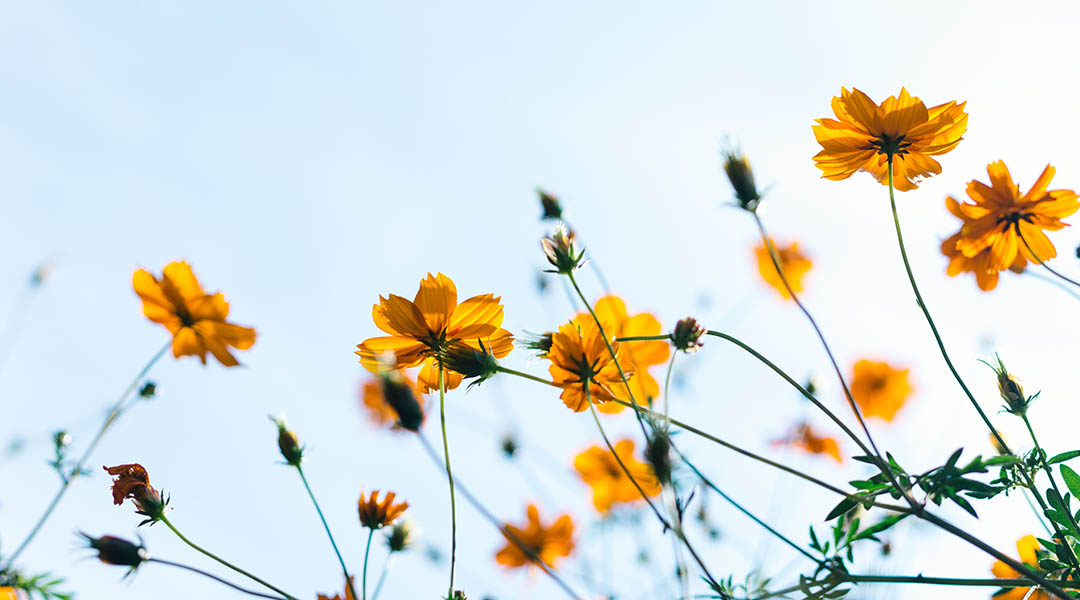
(667, 387)
(604, 336)
(114, 414)
(382, 575)
(224, 562)
(1040, 261)
(449, 478)
(341, 561)
(1061, 286)
(367, 553)
(162, 561)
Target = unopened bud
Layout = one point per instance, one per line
(470, 362)
(401, 536)
(551, 206)
(117, 551)
(741, 176)
(148, 389)
(401, 396)
(288, 443)
(1010, 389)
(560, 251)
(658, 455)
(687, 335)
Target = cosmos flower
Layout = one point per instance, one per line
(879, 389)
(1026, 547)
(794, 263)
(195, 319)
(132, 481)
(421, 329)
(802, 436)
(375, 513)
(547, 543)
(636, 357)
(610, 485)
(864, 134)
(578, 355)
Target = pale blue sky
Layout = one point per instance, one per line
(306, 158)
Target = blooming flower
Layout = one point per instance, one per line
(637, 357)
(985, 277)
(879, 389)
(132, 481)
(195, 319)
(804, 437)
(1002, 228)
(864, 134)
(1026, 547)
(422, 329)
(375, 513)
(598, 468)
(578, 354)
(544, 542)
(9, 593)
(794, 263)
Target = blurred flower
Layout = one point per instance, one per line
(421, 330)
(687, 335)
(546, 543)
(509, 445)
(636, 357)
(148, 390)
(864, 134)
(132, 481)
(40, 275)
(578, 354)
(804, 437)
(389, 395)
(1026, 547)
(879, 389)
(375, 513)
(792, 260)
(116, 551)
(400, 536)
(609, 483)
(550, 204)
(658, 454)
(288, 443)
(561, 252)
(539, 343)
(1001, 223)
(997, 445)
(10, 593)
(346, 595)
(741, 176)
(194, 318)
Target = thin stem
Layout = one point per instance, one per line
(341, 561)
(382, 575)
(367, 552)
(510, 536)
(224, 562)
(1040, 261)
(667, 386)
(162, 561)
(449, 478)
(114, 414)
(603, 335)
(1061, 286)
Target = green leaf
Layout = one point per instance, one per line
(1064, 456)
(845, 505)
(1071, 479)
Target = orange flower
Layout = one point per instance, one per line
(578, 354)
(598, 468)
(802, 436)
(1026, 547)
(792, 260)
(380, 412)
(347, 595)
(132, 481)
(864, 134)
(879, 389)
(1002, 228)
(9, 593)
(194, 318)
(422, 329)
(544, 542)
(375, 514)
(639, 356)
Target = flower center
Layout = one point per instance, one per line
(1012, 219)
(890, 146)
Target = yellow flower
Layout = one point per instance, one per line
(194, 318)
(864, 134)
(985, 277)
(422, 329)
(635, 357)
(805, 438)
(879, 389)
(9, 593)
(578, 354)
(544, 542)
(1026, 547)
(598, 468)
(792, 260)
(375, 514)
(1001, 223)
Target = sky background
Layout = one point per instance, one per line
(307, 157)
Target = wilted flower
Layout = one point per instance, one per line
(542, 543)
(551, 206)
(400, 536)
(1026, 547)
(741, 176)
(422, 329)
(609, 483)
(132, 481)
(865, 134)
(116, 551)
(194, 318)
(288, 443)
(879, 388)
(687, 335)
(375, 513)
(560, 251)
(578, 355)
(794, 263)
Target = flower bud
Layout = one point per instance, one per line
(401, 396)
(741, 177)
(471, 363)
(560, 251)
(1010, 389)
(687, 335)
(551, 206)
(401, 536)
(117, 551)
(540, 343)
(148, 390)
(658, 455)
(509, 445)
(288, 443)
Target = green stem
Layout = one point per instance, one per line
(382, 575)
(667, 386)
(912, 579)
(449, 478)
(341, 561)
(162, 561)
(1040, 261)
(224, 562)
(603, 335)
(114, 414)
(1053, 483)
(367, 552)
